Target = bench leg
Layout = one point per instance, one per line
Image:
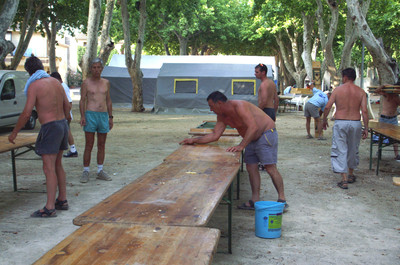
(379, 152)
(230, 197)
(370, 151)
(14, 171)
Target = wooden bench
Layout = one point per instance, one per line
(382, 130)
(25, 141)
(100, 243)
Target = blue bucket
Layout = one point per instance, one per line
(268, 219)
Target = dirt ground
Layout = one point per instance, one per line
(324, 224)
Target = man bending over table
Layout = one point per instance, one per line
(260, 139)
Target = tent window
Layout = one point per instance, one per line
(186, 86)
(243, 87)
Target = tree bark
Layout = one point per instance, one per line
(327, 39)
(386, 66)
(51, 32)
(308, 22)
(106, 45)
(7, 15)
(25, 37)
(133, 65)
(93, 26)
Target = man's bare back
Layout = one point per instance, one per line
(245, 115)
(390, 102)
(349, 99)
(49, 99)
(267, 95)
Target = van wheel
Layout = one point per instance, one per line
(30, 125)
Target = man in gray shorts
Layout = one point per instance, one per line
(260, 139)
(314, 108)
(48, 97)
(347, 131)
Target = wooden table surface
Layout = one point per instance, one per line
(207, 152)
(101, 243)
(181, 193)
(23, 139)
(385, 129)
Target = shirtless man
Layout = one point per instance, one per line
(390, 102)
(96, 116)
(47, 95)
(268, 99)
(258, 130)
(347, 131)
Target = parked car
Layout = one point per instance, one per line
(13, 99)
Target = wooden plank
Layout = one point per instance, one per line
(182, 193)
(213, 153)
(202, 131)
(385, 129)
(101, 243)
(23, 139)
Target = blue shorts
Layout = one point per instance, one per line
(96, 122)
(52, 137)
(390, 120)
(270, 112)
(263, 150)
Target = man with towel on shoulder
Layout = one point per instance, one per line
(48, 96)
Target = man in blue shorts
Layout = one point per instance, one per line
(260, 139)
(314, 108)
(390, 102)
(96, 116)
(48, 97)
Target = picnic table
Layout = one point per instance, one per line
(24, 141)
(395, 89)
(179, 192)
(101, 243)
(283, 100)
(382, 130)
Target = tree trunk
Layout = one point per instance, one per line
(351, 35)
(298, 74)
(182, 44)
(51, 42)
(25, 37)
(93, 26)
(327, 39)
(134, 65)
(386, 66)
(137, 99)
(7, 15)
(106, 45)
(308, 42)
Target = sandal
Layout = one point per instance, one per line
(244, 206)
(45, 213)
(62, 205)
(343, 185)
(351, 179)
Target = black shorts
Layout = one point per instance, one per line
(52, 138)
(270, 112)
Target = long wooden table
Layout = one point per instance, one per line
(101, 243)
(382, 130)
(25, 141)
(206, 128)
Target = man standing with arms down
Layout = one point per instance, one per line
(96, 116)
(260, 139)
(47, 95)
(347, 131)
(268, 99)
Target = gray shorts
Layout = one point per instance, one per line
(345, 142)
(310, 110)
(264, 150)
(52, 138)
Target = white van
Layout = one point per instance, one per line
(13, 99)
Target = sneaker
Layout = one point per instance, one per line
(71, 154)
(85, 177)
(103, 176)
